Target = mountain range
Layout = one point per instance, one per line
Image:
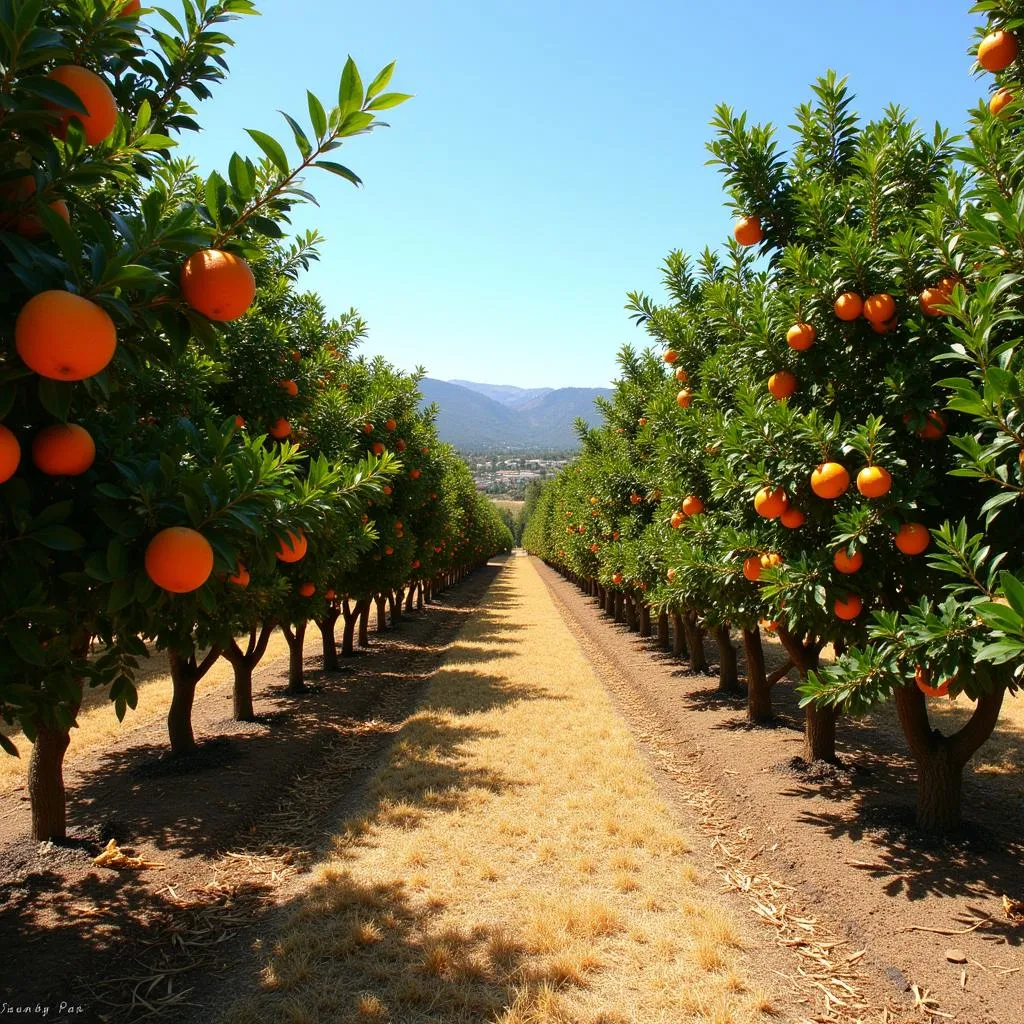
(474, 417)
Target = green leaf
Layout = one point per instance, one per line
(340, 170)
(272, 148)
(55, 397)
(8, 747)
(241, 177)
(389, 100)
(350, 91)
(304, 145)
(53, 92)
(380, 83)
(58, 538)
(317, 115)
(1013, 590)
(24, 644)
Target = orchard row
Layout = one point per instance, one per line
(843, 463)
(192, 452)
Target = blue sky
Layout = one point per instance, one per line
(553, 153)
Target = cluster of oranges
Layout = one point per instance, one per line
(996, 52)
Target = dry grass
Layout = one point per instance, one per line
(512, 862)
(98, 725)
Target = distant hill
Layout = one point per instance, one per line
(478, 416)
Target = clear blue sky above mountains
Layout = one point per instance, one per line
(553, 153)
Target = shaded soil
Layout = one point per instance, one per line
(843, 838)
(231, 827)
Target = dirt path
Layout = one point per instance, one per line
(840, 850)
(512, 861)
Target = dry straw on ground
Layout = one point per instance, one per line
(511, 862)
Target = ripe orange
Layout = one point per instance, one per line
(414, 474)
(593, 501)
(179, 559)
(387, 489)
(634, 499)
(24, 221)
(848, 608)
(998, 50)
(217, 284)
(129, 7)
(241, 577)
(922, 677)
(747, 230)
(595, 548)
(771, 627)
(848, 306)
(677, 519)
(670, 356)
(934, 426)
(879, 308)
(671, 575)
(931, 299)
(239, 422)
(297, 355)
(307, 589)
(63, 449)
(367, 428)
(280, 429)
(884, 326)
(617, 578)
(642, 421)
(830, 480)
(792, 518)
(771, 503)
(874, 481)
(63, 336)
(330, 595)
(293, 547)
(752, 568)
(377, 448)
(290, 387)
(684, 398)
(692, 505)
(801, 337)
(94, 94)
(782, 384)
(771, 560)
(847, 563)
(390, 425)
(912, 538)
(10, 454)
(1000, 98)
(400, 445)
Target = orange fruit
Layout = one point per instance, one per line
(692, 505)
(642, 421)
(1000, 98)
(684, 398)
(634, 499)
(595, 548)
(801, 337)
(847, 563)
(830, 480)
(390, 425)
(179, 559)
(912, 538)
(239, 422)
(593, 501)
(792, 518)
(297, 355)
(771, 627)
(782, 384)
(670, 356)
(414, 474)
(367, 428)
(330, 595)
(923, 680)
(217, 284)
(129, 7)
(879, 308)
(747, 230)
(848, 306)
(617, 578)
(387, 489)
(290, 387)
(934, 425)
(280, 429)
(241, 577)
(682, 376)
(884, 326)
(752, 568)
(24, 221)
(848, 608)
(400, 445)
(874, 481)
(10, 454)
(63, 336)
(670, 575)
(94, 94)
(677, 520)
(293, 547)
(307, 589)
(377, 447)
(931, 299)
(770, 503)
(771, 560)
(998, 50)
(63, 449)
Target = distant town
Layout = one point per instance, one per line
(507, 474)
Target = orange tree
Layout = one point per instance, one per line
(110, 270)
(967, 638)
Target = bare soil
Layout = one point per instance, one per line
(840, 842)
(231, 829)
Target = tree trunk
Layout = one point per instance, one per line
(185, 676)
(759, 693)
(395, 603)
(330, 645)
(645, 619)
(46, 784)
(695, 642)
(242, 664)
(678, 635)
(410, 597)
(296, 637)
(618, 605)
(728, 673)
(663, 631)
(819, 723)
(364, 622)
(350, 613)
(940, 759)
(419, 597)
(382, 616)
(630, 608)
